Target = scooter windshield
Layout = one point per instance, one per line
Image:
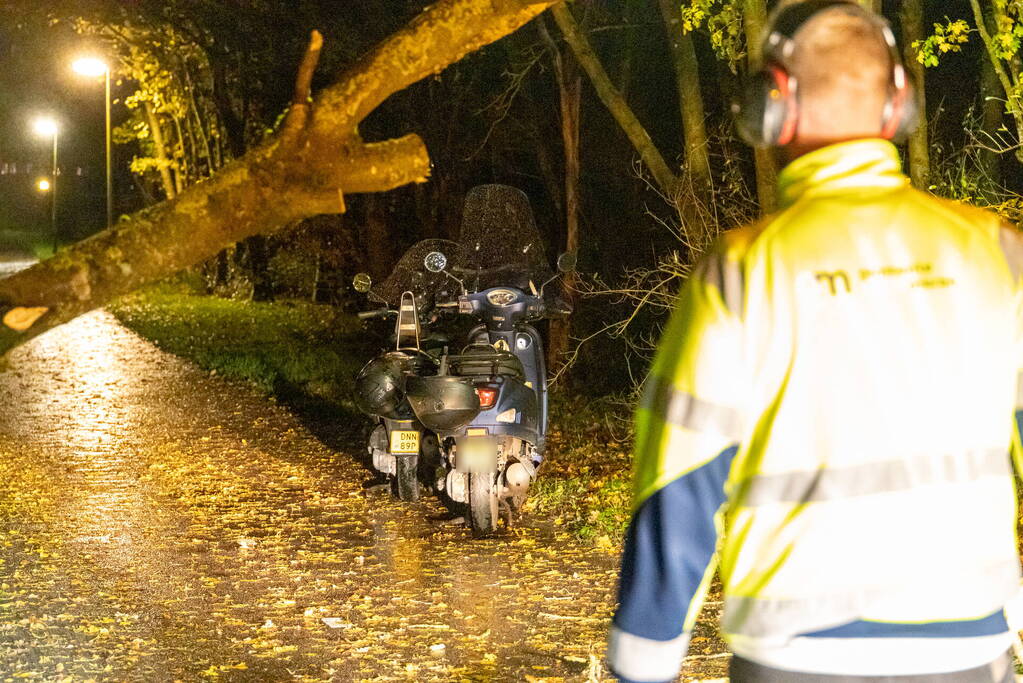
(410, 275)
(501, 245)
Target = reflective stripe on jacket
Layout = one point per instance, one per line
(844, 375)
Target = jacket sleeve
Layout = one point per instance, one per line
(687, 428)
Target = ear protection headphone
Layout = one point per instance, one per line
(768, 113)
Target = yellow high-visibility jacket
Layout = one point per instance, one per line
(830, 414)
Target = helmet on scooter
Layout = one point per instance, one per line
(380, 386)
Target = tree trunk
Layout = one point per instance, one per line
(570, 97)
(376, 238)
(993, 117)
(303, 171)
(257, 249)
(612, 99)
(919, 149)
(161, 152)
(1007, 77)
(690, 100)
(754, 17)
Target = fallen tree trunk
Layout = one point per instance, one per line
(305, 170)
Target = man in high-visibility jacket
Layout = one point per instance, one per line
(830, 413)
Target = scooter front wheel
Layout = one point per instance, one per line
(482, 503)
(406, 479)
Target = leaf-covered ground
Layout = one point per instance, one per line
(296, 350)
(157, 523)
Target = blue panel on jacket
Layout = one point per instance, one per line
(669, 545)
(987, 626)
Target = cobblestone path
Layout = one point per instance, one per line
(158, 524)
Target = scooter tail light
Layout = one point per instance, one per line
(487, 396)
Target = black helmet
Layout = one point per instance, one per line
(380, 385)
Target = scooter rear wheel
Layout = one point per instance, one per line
(482, 503)
(406, 479)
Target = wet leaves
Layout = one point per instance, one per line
(179, 527)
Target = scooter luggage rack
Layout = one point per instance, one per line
(494, 363)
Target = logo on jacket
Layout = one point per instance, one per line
(916, 275)
(833, 279)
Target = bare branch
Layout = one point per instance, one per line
(613, 99)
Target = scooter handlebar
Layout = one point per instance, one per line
(382, 313)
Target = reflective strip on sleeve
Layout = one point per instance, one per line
(727, 276)
(988, 587)
(643, 659)
(1019, 391)
(682, 409)
(1011, 241)
(878, 477)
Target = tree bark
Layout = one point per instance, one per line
(919, 149)
(301, 172)
(690, 101)
(570, 87)
(993, 109)
(754, 17)
(614, 101)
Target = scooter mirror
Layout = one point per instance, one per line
(435, 262)
(567, 262)
(362, 282)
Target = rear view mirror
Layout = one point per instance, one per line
(362, 282)
(435, 262)
(567, 262)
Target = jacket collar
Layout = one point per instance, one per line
(841, 168)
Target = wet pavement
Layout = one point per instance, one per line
(159, 524)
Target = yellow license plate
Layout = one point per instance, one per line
(404, 442)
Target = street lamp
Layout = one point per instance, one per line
(94, 67)
(43, 185)
(46, 127)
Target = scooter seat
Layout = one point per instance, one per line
(484, 359)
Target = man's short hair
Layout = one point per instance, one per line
(842, 62)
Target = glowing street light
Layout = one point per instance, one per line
(47, 127)
(43, 185)
(94, 67)
(90, 66)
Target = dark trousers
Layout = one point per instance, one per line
(745, 671)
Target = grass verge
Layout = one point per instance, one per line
(285, 349)
(25, 242)
(585, 482)
(296, 350)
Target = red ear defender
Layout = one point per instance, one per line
(900, 112)
(784, 108)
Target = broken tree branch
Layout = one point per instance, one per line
(290, 177)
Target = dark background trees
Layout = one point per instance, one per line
(611, 115)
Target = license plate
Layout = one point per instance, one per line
(404, 442)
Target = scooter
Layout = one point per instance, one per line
(397, 441)
(488, 404)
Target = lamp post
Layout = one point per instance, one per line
(47, 128)
(93, 67)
